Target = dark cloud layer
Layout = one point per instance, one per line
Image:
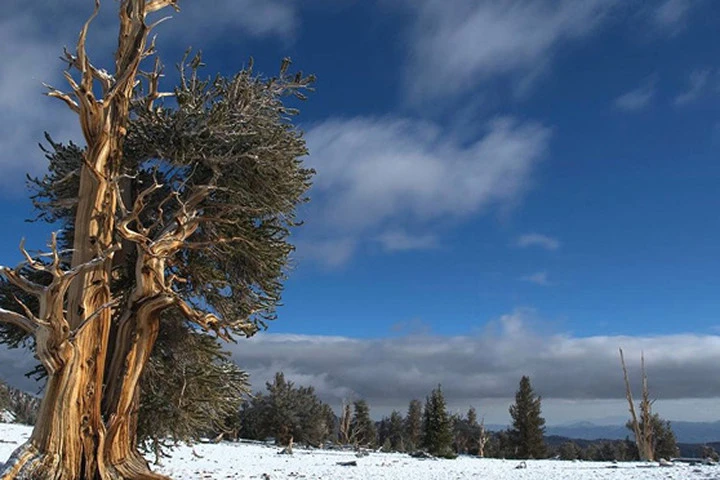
(580, 375)
(487, 365)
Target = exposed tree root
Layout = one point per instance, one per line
(27, 463)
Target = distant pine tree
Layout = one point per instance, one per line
(344, 433)
(569, 450)
(287, 412)
(526, 434)
(413, 425)
(390, 433)
(395, 432)
(707, 451)
(437, 426)
(665, 442)
(467, 433)
(472, 417)
(499, 445)
(361, 426)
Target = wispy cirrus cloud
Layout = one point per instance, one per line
(537, 240)
(699, 82)
(399, 240)
(538, 278)
(386, 179)
(636, 99)
(202, 23)
(455, 49)
(672, 15)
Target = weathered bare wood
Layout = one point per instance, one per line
(72, 327)
(646, 413)
(13, 318)
(93, 336)
(641, 430)
(483, 439)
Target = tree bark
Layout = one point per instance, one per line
(72, 440)
(136, 335)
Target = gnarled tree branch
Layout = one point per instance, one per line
(20, 321)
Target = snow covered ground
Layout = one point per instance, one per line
(252, 461)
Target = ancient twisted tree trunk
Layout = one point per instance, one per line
(73, 439)
(136, 334)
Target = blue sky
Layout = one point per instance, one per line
(516, 170)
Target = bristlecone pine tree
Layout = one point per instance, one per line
(344, 433)
(664, 441)
(175, 214)
(528, 427)
(642, 428)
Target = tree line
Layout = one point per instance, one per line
(286, 412)
(289, 413)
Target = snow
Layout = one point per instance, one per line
(250, 460)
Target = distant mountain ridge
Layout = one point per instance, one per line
(685, 432)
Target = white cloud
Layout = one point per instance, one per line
(538, 278)
(698, 83)
(328, 252)
(537, 240)
(380, 175)
(455, 49)
(29, 60)
(203, 22)
(637, 99)
(31, 40)
(398, 240)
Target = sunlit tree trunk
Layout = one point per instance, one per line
(146, 241)
(73, 439)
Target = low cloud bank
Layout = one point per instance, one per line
(578, 377)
